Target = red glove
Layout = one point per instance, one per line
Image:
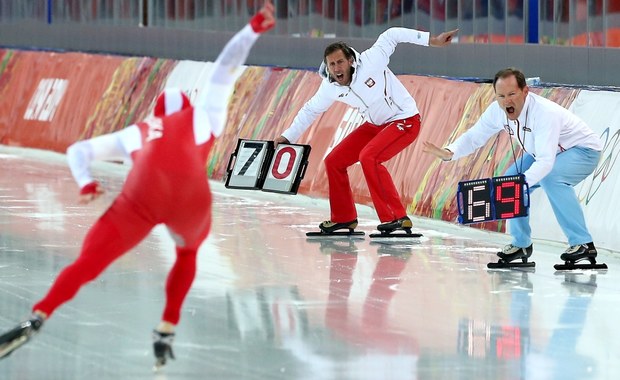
(263, 20)
(90, 192)
(90, 188)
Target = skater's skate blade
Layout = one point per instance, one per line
(567, 267)
(511, 265)
(395, 235)
(7, 348)
(335, 233)
(527, 269)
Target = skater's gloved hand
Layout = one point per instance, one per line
(90, 192)
(264, 20)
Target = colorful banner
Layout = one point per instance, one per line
(50, 100)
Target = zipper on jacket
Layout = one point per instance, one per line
(363, 102)
(386, 96)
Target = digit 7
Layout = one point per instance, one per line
(257, 148)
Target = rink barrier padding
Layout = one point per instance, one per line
(48, 100)
(47, 97)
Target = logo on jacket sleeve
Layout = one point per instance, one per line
(370, 82)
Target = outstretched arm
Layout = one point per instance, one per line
(237, 49)
(384, 47)
(112, 146)
(232, 56)
(443, 153)
(443, 39)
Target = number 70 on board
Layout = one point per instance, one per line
(257, 165)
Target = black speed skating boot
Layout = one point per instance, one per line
(162, 347)
(511, 253)
(403, 223)
(15, 338)
(577, 253)
(328, 226)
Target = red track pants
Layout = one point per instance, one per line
(371, 145)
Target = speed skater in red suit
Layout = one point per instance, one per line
(167, 185)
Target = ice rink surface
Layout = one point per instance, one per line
(268, 303)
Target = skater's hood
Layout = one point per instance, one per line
(170, 100)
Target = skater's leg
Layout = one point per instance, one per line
(189, 227)
(571, 167)
(337, 162)
(116, 232)
(394, 137)
(178, 285)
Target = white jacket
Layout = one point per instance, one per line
(374, 89)
(544, 130)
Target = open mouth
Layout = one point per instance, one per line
(510, 110)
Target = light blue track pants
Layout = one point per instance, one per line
(571, 167)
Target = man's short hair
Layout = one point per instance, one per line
(346, 50)
(510, 71)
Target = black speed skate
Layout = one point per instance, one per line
(509, 254)
(329, 228)
(18, 336)
(162, 348)
(577, 253)
(387, 229)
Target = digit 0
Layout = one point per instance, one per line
(292, 153)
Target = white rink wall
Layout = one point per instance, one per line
(599, 194)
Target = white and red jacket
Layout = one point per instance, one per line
(374, 89)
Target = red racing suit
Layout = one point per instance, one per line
(167, 184)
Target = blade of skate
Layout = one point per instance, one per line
(341, 234)
(395, 235)
(11, 341)
(511, 265)
(568, 267)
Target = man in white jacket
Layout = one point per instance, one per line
(559, 151)
(391, 123)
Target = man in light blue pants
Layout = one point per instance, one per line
(559, 151)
